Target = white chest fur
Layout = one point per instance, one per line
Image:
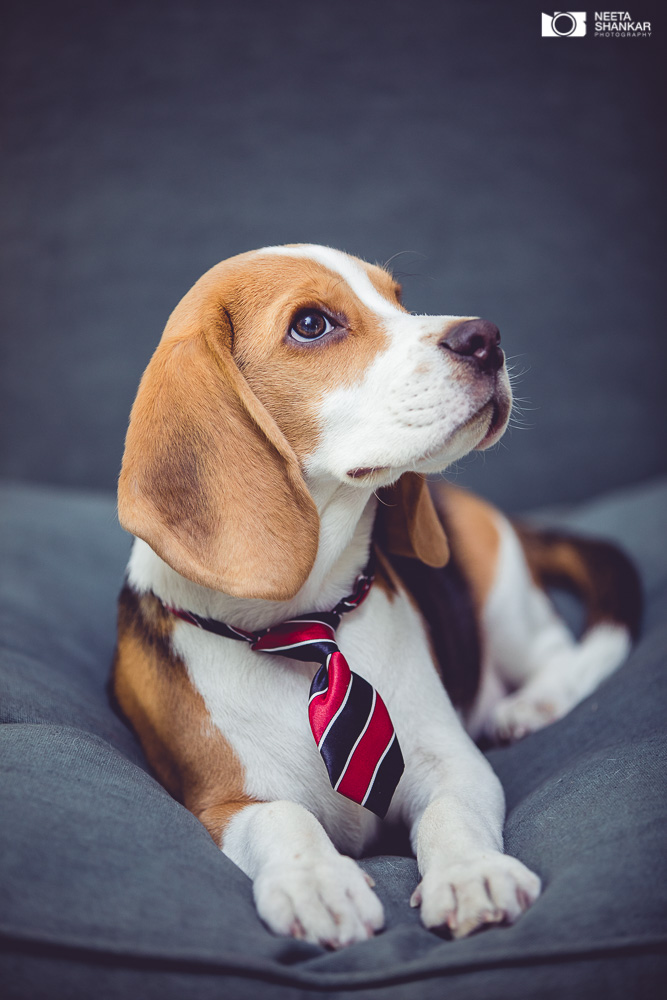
(259, 703)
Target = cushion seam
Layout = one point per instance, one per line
(326, 980)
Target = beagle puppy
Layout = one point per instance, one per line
(280, 437)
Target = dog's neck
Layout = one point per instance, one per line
(346, 515)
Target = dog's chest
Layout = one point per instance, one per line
(259, 703)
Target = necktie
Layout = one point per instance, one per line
(348, 718)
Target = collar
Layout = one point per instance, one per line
(331, 619)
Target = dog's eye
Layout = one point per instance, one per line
(310, 325)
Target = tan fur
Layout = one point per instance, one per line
(560, 559)
(473, 534)
(227, 408)
(598, 572)
(226, 411)
(408, 523)
(216, 817)
(288, 378)
(190, 757)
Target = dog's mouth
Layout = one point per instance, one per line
(366, 471)
(499, 411)
(494, 424)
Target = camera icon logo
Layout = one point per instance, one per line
(564, 24)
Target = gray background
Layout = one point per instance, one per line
(145, 141)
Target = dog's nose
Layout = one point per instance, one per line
(478, 340)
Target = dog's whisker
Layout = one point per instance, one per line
(379, 499)
(401, 253)
(519, 422)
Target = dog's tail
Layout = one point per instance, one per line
(597, 572)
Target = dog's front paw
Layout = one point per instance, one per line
(490, 889)
(327, 901)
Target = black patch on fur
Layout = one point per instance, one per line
(445, 600)
(131, 618)
(598, 572)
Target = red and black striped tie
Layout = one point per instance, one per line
(349, 719)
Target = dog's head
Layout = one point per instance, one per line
(290, 364)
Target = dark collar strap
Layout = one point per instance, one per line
(362, 585)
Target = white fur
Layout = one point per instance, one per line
(347, 267)
(346, 521)
(561, 682)
(302, 885)
(448, 796)
(408, 410)
(529, 648)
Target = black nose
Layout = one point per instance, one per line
(478, 340)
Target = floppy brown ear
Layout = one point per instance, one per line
(208, 479)
(408, 524)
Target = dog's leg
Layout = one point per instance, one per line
(301, 884)
(532, 652)
(467, 881)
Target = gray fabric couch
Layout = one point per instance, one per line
(111, 888)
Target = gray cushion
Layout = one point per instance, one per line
(111, 887)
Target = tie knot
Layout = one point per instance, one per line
(311, 638)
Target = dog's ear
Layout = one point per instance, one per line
(408, 524)
(208, 479)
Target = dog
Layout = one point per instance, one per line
(279, 440)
